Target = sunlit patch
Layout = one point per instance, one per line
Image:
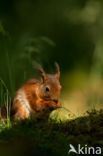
(62, 114)
(81, 93)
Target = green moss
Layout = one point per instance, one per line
(43, 137)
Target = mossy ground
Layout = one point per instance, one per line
(50, 138)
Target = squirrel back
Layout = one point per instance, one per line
(37, 96)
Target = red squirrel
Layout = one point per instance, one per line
(35, 96)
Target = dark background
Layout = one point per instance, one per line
(41, 31)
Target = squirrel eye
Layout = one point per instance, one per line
(47, 89)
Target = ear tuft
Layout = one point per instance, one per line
(57, 70)
(42, 72)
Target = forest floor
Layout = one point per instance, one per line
(50, 138)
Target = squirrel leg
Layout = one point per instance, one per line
(20, 112)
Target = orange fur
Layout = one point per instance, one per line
(36, 96)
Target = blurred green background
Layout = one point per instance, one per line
(41, 31)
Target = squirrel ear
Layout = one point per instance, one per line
(57, 70)
(41, 71)
(43, 74)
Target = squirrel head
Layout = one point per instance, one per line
(50, 87)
